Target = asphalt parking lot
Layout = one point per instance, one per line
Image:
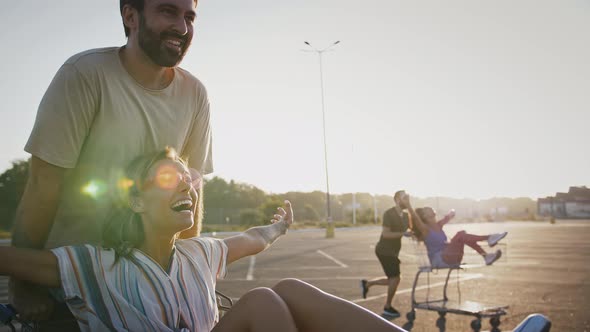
(545, 269)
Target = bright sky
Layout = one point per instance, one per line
(455, 98)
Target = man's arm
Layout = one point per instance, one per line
(39, 267)
(257, 239)
(388, 234)
(34, 219)
(64, 118)
(37, 208)
(388, 222)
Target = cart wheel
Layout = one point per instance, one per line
(27, 328)
(441, 323)
(495, 321)
(411, 316)
(476, 324)
(442, 314)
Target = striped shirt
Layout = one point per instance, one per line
(137, 294)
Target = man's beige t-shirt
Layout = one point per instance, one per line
(95, 118)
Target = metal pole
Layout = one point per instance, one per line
(329, 215)
(329, 228)
(353, 208)
(375, 208)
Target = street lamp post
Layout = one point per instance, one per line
(319, 52)
(376, 213)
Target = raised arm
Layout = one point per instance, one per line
(257, 239)
(416, 220)
(446, 218)
(35, 266)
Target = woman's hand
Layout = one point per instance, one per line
(257, 239)
(451, 214)
(406, 201)
(284, 215)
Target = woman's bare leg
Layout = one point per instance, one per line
(259, 310)
(315, 310)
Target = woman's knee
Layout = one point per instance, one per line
(459, 236)
(292, 287)
(260, 309)
(289, 284)
(260, 296)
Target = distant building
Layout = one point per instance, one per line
(573, 204)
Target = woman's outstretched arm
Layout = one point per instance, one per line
(446, 218)
(257, 239)
(36, 266)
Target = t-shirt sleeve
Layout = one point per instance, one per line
(75, 269)
(63, 119)
(215, 251)
(199, 147)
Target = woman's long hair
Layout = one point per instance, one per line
(417, 233)
(123, 230)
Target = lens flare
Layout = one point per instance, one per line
(124, 184)
(167, 177)
(94, 189)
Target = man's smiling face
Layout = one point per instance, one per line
(166, 30)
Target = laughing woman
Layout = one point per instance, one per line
(146, 279)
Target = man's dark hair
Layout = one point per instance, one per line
(137, 4)
(398, 194)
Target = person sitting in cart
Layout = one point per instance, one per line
(145, 279)
(441, 253)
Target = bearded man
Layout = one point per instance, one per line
(102, 108)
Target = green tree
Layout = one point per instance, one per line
(12, 186)
(251, 217)
(310, 214)
(315, 199)
(269, 208)
(224, 200)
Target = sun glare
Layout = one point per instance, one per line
(124, 184)
(94, 189)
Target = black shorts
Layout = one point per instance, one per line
(390, 265)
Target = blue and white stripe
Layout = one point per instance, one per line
(137, 294)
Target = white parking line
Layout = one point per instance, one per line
(250, 275)
(332, 259)
(300, 268)
(436, 284)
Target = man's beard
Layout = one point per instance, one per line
(153, 45)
